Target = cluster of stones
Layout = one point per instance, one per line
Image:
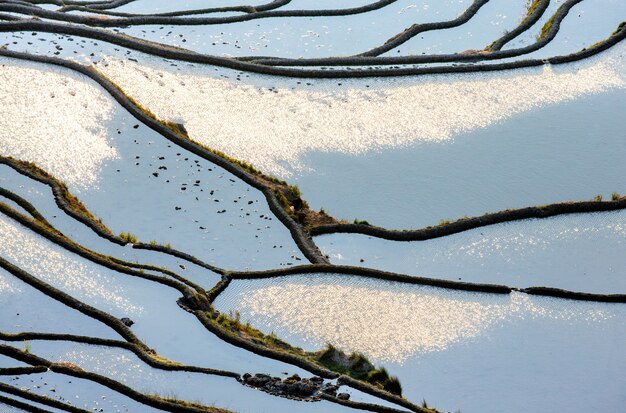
(294, 387)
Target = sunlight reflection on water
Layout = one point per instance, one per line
(272, 124)
(386, 321)
(55, 266)
(54, 118)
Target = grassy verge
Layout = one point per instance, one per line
(289, 196)
(73, 203)
(546, 28)
(530, 11)
(128, 237)
(355, 365)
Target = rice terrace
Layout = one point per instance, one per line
(313, 206)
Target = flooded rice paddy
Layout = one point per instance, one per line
(218, 206)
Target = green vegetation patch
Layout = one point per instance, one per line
(128, 237)
(355, 365)
(358, 366)
(289, 196)
(73, 203)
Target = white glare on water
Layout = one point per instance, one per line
(273, 128)
(386, 321)
(54, 120)
(6, 286)
(58, 267)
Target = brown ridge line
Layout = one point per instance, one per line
(536, 9)
(61, 195)
(292, 359)
(466, 224)
(114, 385)
(200, 301)
(283, 356)
(147, 357)
(432, 282)
(169, 19)
(38, 217)
(19, 371)
(580, 296)
(21, 405)
(301, 237)
(182, 13)
(244, 9)
(73, 303)
(84, 216)
(5, 388)
(105, 4)
(66, 243)
(473, 56)
(165, 271)
(168, 52)
(27, 206)
(365, 406)
(416, 29)
(374, 391)
(370, 273)
(219, 288)
(9, 17)
(178, 254)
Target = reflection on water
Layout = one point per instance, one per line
(387, 321)
(126, 367)
(55, 266)
(152, 188)
(25, 308)
(79, 393)
(7, 286)
(42, 109)
(275, 124)
(579, 252)
(529, 345)
(297, 37)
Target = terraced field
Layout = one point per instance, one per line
(294, 206)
